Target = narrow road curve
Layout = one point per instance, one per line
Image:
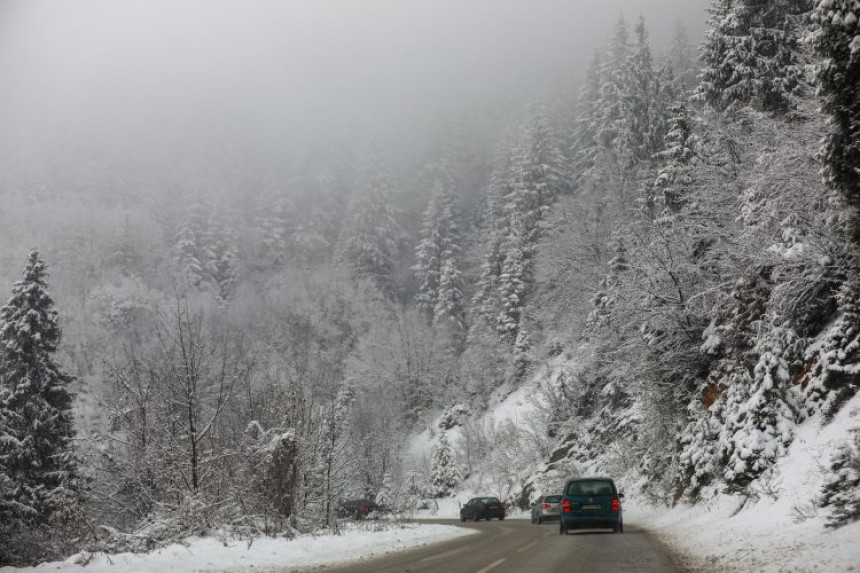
(517, 545)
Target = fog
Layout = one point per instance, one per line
(140, 85)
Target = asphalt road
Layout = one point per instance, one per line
(517, 545)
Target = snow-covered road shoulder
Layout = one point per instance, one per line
(267, 554)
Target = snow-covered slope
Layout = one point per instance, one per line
(780, 529)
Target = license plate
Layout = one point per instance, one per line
(592, 506)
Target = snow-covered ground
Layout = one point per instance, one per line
(781, 531)
(263, 554)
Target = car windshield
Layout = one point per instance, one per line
(552, 499)
(489, 500)
(593, 487)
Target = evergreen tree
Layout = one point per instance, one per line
(640, 100)
(840, 494)
(36, 454)
(761, 413)
(440, 294)
(224, 266)
(485, 302)
(682, 59)
(675, 178)
(588, 115)
(372, 240)
(613, 75)
(836, 41)
(834, 374)
(751, 54)
(192, 249)
(444, 473)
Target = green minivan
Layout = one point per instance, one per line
(591, 503)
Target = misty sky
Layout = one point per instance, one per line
(122, 76)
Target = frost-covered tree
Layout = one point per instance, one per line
(834, 373)
(699, 444)
(840, 494)
(836, 41)
(37, 458)
(676, 176)
(682, 59)
(224, 266)
(192, 250)
(440, 282)
(640, 100)
(444, 472)
(613, 75)
(371, 241)
(751, 54)
(494, 226)
(588, 113)
(761, 411)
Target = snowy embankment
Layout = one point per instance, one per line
(780, 531)
(777, 529)
(211, 554)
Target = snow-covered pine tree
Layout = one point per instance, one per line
(751, 54)
(761, 418)
(840, 494)
(836, 41)
(485, 301)
(537, 179)
(640, 91)
(545, 170)
(223, 267)
(385, 496)
(444, 473)
(273, 226)
(36, 453)
(613, 76)
(588, 114)
(371, 242)
(699, 443)
(834, 373)
(191, 251)
(682, 59)
(679, 153)
(440, 283)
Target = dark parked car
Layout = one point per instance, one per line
(357, 508)
(482, 508)
(591, 503)
(546, 508)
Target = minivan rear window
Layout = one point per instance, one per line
(593, 487)
(552, 499)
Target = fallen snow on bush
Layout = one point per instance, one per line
(211, 554)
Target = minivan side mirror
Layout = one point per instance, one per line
(620, 496)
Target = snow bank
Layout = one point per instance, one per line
(210, 554)
(781, 530)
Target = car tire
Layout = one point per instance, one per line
(621, 526)
(462, 518)
(477, 516)
(617, 528)
(502, 518)
(540, 520)
(562, 528)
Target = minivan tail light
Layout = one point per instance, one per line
(565, 505)
(616, 504)
(544, 506)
